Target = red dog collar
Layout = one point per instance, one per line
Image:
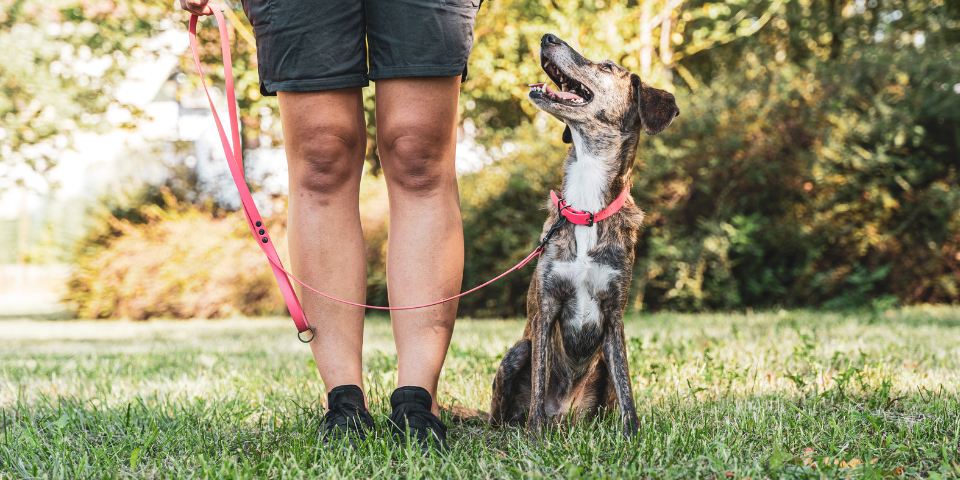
(588, 218)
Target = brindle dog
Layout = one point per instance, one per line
(571, 361)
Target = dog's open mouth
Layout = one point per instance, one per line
(571, 93)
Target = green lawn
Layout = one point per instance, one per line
(784, 394)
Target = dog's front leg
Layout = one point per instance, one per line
(538, 369)
(615, 353)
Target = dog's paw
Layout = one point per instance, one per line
(536, 430)
(537, 439)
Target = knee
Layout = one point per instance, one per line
(329, 162)
(417, 163)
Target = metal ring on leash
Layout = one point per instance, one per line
(312, 335)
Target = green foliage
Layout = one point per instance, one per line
(829, 178)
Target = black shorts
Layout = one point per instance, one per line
(311, 45)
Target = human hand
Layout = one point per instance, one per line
(198, 7)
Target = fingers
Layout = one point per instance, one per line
(198, 7)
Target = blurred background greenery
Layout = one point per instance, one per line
(814, 163)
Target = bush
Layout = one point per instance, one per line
(807, 186)
(155, 256)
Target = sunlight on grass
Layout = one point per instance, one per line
(796, 393)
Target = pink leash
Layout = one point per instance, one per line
(255, 222)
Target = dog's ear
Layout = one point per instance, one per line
(567, 136)
(657, 108)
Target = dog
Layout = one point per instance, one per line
(572, 362)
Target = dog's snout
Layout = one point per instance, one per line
(549, 39)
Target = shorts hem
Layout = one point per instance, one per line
(417, 71)
(314, 85)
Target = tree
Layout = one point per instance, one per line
(61, 61)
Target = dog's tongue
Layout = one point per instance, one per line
(554, 93)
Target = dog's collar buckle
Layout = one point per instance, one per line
(588, 218)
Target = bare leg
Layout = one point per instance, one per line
(325, 139)
(416, 138)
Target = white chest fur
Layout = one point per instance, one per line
(586, 181)
(588, 278)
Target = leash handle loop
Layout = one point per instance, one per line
(235, 162)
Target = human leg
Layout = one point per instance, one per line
(416, 138)
(325, 139)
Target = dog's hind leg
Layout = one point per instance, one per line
(511, 387)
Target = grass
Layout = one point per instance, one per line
(779, 395)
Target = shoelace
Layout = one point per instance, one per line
(421, 422)
(346, 417)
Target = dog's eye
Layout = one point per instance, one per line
(606, 68)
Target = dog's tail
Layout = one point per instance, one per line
(466, 415)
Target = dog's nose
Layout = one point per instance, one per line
(550, 39)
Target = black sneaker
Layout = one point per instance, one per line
(346, 417)
(411, 411)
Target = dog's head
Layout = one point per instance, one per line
(598, 96)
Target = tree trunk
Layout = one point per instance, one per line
(646, 39)
(666, 24)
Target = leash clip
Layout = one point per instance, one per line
(546, 238)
